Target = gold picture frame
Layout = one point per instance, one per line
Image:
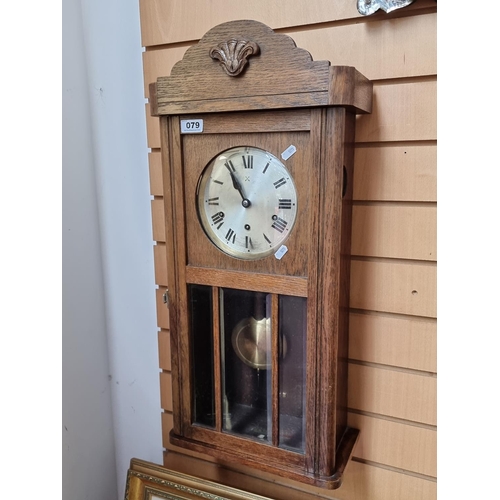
(148, 481)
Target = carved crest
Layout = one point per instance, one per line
(233, 54)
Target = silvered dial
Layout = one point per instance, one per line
(247, 202)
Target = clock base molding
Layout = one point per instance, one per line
(227, 459)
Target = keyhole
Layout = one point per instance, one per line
(344, 181)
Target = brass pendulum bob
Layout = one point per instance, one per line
(251, 337)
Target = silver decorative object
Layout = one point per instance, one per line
(368, 7)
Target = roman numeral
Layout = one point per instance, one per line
(248, 162)
(279, 183)
(266, 167)
(213, 201)
(279, 225)
(248, 242)
(285, 203)
(230, 235)
(218, 182)
(229, 165)
(266, 238)
(218, 217)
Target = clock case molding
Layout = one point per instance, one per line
(268, 94)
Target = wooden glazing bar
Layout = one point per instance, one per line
(275, 341)
(217, 358)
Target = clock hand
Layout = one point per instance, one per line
(236, 184)
(245, 202)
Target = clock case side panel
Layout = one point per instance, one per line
(345, 277)
(334, 440)
(176, 263)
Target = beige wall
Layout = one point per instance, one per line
(392, 372)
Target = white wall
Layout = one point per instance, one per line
(111, 406)
(88, 452)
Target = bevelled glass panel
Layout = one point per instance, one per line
(202, 352)
(246, 363)
(292, 372)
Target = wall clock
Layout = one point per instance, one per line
(257, 155)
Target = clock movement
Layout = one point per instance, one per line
(257, 159)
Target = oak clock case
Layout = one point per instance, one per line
(257, 210)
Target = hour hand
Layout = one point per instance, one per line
(245, 202)
(236, 184)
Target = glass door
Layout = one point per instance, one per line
(249, 364)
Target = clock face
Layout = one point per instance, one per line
(247, 202)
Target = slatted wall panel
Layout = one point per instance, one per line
(392, 370)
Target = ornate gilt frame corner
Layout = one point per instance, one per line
(147, 481)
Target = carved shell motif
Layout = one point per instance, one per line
(233, 55)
